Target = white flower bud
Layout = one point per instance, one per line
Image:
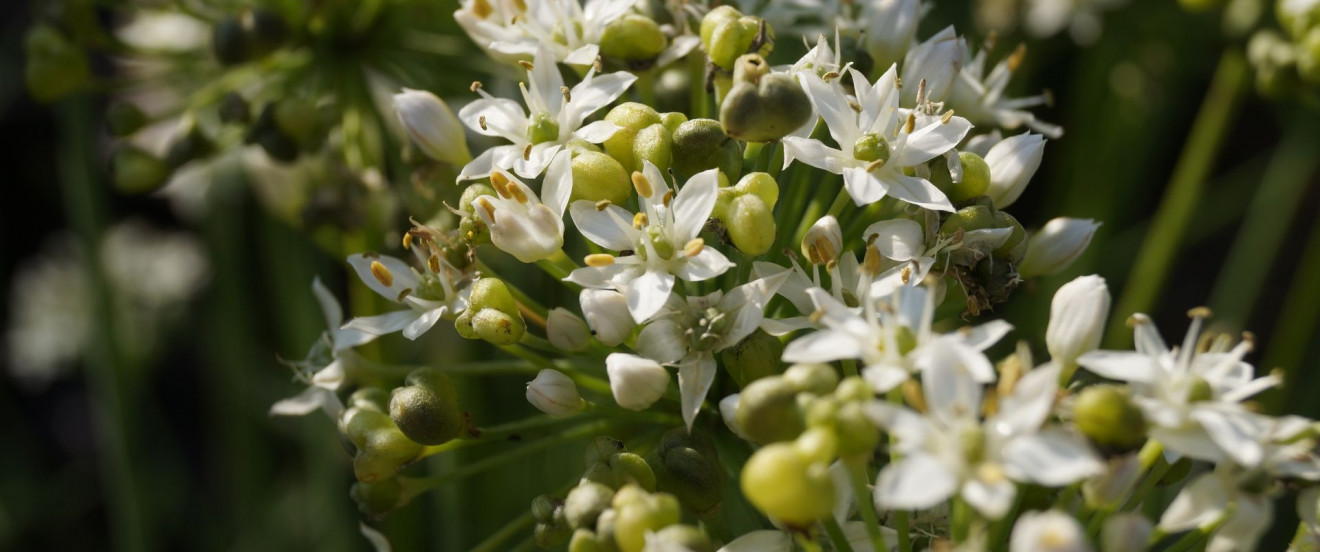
(1060, 242)
(823, 241)
(1077, 319)
(1050, 531)
(432, 126)
(1012, 162)
(1125, 532)
(554, 393)
(566, 331)
(937, 61)
(635, 381)
(607, 314)
(729, 411)
(890, 26)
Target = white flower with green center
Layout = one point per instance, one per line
(327, 364)
(892, 338)
(520, 224)
(569, 31)
(430, 294)
(949, 450)
(555, 114)
(1190, 398)
(689, 333)
(489, 21)
(660, 242)
(980, 96)
(877, 141)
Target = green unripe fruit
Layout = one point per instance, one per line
(974, 217)
(492, 314)
(579, 146)
(854, 389)
(631, 117)
(472, 228)
(585, 503)
(650, 513)
(123, 118)
(701, 144)
(382, 450)
(763, 106)
(820, 379)
(689, 468)
(713, 20)
(975, 180)
(191, 145)
(1105, 414)
(761, 185)
(784, 484)
(587, 541)
(653, 144)
(234, 109)
(601, 449)
(753, 358)
(136, 171)
(632, 38)
(857, 435)
(822, 412)
(1015, 247)
(631, 469)
(549, 535)
(426, 410)
(672, 119)
(376, 499)
(768, 411)
(597, 176)
(871, 147)
(370, 398)
(750, 224)
(734, 38)
(687, 537)
(818, 445)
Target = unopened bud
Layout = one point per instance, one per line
(636, 382)
(750, 224)
(597, 177)
(1012, 163)
(782, 482)
(1105, 414)
(432, 126)
(426, 409)
(554, 393)
(585, 503)
(1049, 531)
(633, 38)
(1056, 246)
(768, 411)
(701, 144)
(566, 331)
(753, 358)
(607, 314)
(1077, 319)
(823, 241)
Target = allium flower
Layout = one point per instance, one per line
(1077, 319)
(1049, 531)
(1190, 397)
(890, 27)
(566, 331)
(438, 290)
(432, 126)
(520, 225)
(938, 62)
(1013, 161)
(570, 32)
(636, 382)
(980, 96)
(876, 142)
(326, 365)
(554, 116)
(662, 238)
(554, 393)
(488, 21)
(950, 450)
(1060, 242)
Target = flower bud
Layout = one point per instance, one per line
(432, 126)
(1124, 532)
(630, 117)
(936, 61)
(891, 25)
(1048, 531)
(554, 393)
(642, 514)
(636, 382)
(784, 484)
(1060, 242)
(1105, 414)
(426, 409)
(763, 106)
(597, 176)
(819, 379)
(1077, 319)
(376, 499)
(768, 411)
(634, 39)
(607, 314)
(653, 143)
(701, 144)
(750, 224)
(823, 241)
(1012, 163)
(566, 331)
(492, 314)
(753, 358)
(136, 172)
(688, 467)
(585, 503)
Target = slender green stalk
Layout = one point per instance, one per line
(860, 484)
(805, 543)
(1295, 331)
(497, 539)
(960, 520)
(837, 537)
(1182, 196)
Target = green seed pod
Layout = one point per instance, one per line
(544, 508)
(634, 39)
(857, 435)
(701, 144)
(56, 67)
(382, 450)
(1105, 414)
(688, 467)
(683, 537)
(871, 147)
(550, 535)
(426, 410)
(597, 176)
(750, 224)
(753, 358)
(585, 503)
(631, 469)
(492, 314)
(137, 172)
(370, 398)
(854, 389)
(631, 117)
(976, 177)
(713, 20)
(823, 412)
(820, 379)
(472, 228)
(376, 499)
(123, 118)
(672, 119)
(973, 217)
(587, 541)
(649, 513)
(763, 106)
(1015, 247)
(784, 484)
(819, 445)
(653, 144)
(768, 411)
(498, 328)
(734, 38)
(299, 121)
(601, 449)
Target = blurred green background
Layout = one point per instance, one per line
(170, 446)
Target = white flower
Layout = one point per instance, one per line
(950, 450)
(844, 278)
(488, 21)
(554, 393)
(607, 313)
(662, 237)
(1077, 319)
(636, 382)
(980, 96)
(1060, 242)
(1048, 531)
(163, 31)
(1190, 398)
(1012, 163)
(429, 295)
(566, 331)
(690, 332)
(876, 142)
(937, 61)
(570, 32)
(823, 242)
(327, 365)
(890, 27)
(554, 116)
(432, 126)
(520, 225)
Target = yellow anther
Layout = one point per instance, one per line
(407, 240)
(824, 250)
(433, 263)
(1200, 312)
(641, 184)
(830, 75)
(597, 65)
(813, 255)
(694, 247)
(1015, 59)
(871, 262)
(948, 116)
(914, 396)
(990, 472)
(599, 260)
(501, 184)
(831, 265)
(482, 121)
(526, 64)
(565, 91)
(382, 274)
(527, 153)
(875, 165)
(603, 204)
(518, 194)
(485, 204)
(907, 274)
(911, 123)
(669, 198)
(815, 316)
(640, 220)
(403, 294)
(476, 85)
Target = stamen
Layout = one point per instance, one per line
(906, 273)
(641, 184)
(433, 263)
(911, 122)
(382, 274)
(871, 262)
(485, 204)
(597, 65)
(527, 153)
(948, 115)
(830, 75)
(526, 64)
(407, 241)
(669, 197)
(875, 164)
(500, 183)
(1200, 312)
(476, 85)
(482, 121)
(598, 260)
(694, 247)
(565, 91)
(603, 204)
(1015, 59)
(403, 294)
(518, 194)
(815, 316)
(640, 220)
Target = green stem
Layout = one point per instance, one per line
(902, 526)
(557, 265)
(1295, 331)
(835, 532)
(1181, 198)
(960, 520)
(860, 482)
(497, 539)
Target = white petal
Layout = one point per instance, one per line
(932, 140)
(991, 498)
(1200, 502)
(816, 154)
(707, 264)
(822, 346)
(334, 315)
(1120, 365)
(983, 336)
(696, 373)
(897, 239)
(377, 539)
(883, 378)
(401, 276)
(692, 205)
(662, 341)
(917, 191)
(647, 293)
(1027, 407)
(917, 482)
(558, 184)
(1053, 458)
(863, 186)
(1237, 433)
(952, 395)
(310, 400)
(383, 324)
(605, 227)
(423, 323)
(504, 118)
(600, 91)
(597, 132)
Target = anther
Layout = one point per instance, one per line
(603, 204)
(567, 96)
(640, 220)
(482, 121)
(911, 122)
(669, 197)
(382, 274)
(1199, 312)
(485, 204)
(948, 116)
(527, 153)
(1015, 59)
(433, 263)
(526, 64)
(694, 247)
(830, 75)
(407, 241)
(500, 183)
(598, 259)
(403, 294)
(641, 184)
(476, 85)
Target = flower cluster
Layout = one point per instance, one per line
(792, 245)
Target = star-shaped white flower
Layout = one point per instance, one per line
(661, 240)
(876, 140)
(436, 291)
(554, 116)
(520, 224)
(980, 96)
(569, 31)
(327, 364)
